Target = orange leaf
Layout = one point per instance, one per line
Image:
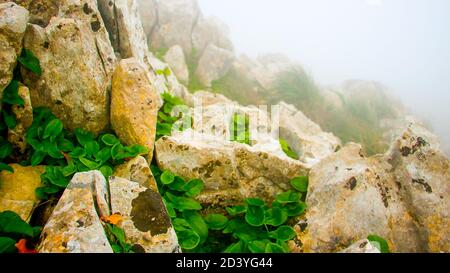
(114, 219)
(22, 247)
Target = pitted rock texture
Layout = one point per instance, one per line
(145, 220)
(137, 170)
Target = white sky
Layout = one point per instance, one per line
(404, 44)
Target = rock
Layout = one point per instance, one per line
(24, 117)
(134, 105)
(213, 64)
(75, 89)
(205, 98)
(145, 220)
(74, 226)
(176, 19)
(231, 171)
(137, 170)
(422, 172)
(148, 13)
(362, 246)
(13, 23)
(17, 190)
(304, 136)
(211, 31)
(177, 62)
(41, 11)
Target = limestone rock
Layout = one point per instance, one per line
(304, 136)
(137, 170)
(177, 62)
(17, 190)
(134, 105)
(13, 23)
(145, 220)
(362, 246)
(75, 89)
(176, 19)
(24, 117)
(213, 64)
(231, 171)
(422, 172)
(74, 226)
(148, 13)
(211, 31)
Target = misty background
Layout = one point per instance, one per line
(404, 44)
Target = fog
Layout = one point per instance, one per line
(404, 44)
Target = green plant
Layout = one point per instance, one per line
(66, 153)
(12, 229)
(166, 120)
(240, 128)
(116, 238)
(379, 243)
(287, 149)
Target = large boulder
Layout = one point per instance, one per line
(214, 63)
(13, 23)
(134, 105)
(148, 12)
(144, 217)
(137, 170)
(75, 226)
(177, 62)
(24, 117)
(210, 31)
(17, 190)
(231, 171)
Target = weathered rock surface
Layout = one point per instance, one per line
(137, 170)
(213, 64)
(304, 136)
(75, 89)
(13, 23)
(134, 105)
(401, 196)
(24, 117)
(17, 190)
(75, 226)
(148, 12)
(145, 220)
(362, 246)
(231, 171)
(210, 31)
(177, 62)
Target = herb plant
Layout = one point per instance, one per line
(166, 120)
(240, 128)
(287, 149)
(12, 229)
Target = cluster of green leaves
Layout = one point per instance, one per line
(10, 98)
(166, 72)
(166, 119)
(117, 239)
(287, 149)
(240, 128)
(66, 153)
(12, 229)
(379, 243)
(252, 227)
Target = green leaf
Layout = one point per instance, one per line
(283, 233)
(9, 119)
(42, 193)
(379, 243)
(163, 129)
(91, 147)
(117, 152)
(170, 210)
(135, 150)
(275, 216)
(233, 211)
(295, 209)
(52, 149)
(11, 94)
(255, 202)
(53, 128)
(106, 170)
(65, 145)
(183, 203)
(6, 149)
(109, 139)
(300, 183)
(258, 246)
(287, 150)
(274, 248)
(235, 248)
(167, 177)
(288, 197)
(83, 136)
(11, 223)
(188, 239)
(30, 62)
(197, 223)
(37, 158)
(77, 153)
(255, 216)
(7, 245)
(194, 187)
(55, 176)
(216, 221)
(92, 165)
(103, 155)
(70, 169)
(118, 233)
(178, 184)
(6, 167)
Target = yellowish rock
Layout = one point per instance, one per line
(134, 105)
(24, 116)
(137, 170)
(17, 190)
